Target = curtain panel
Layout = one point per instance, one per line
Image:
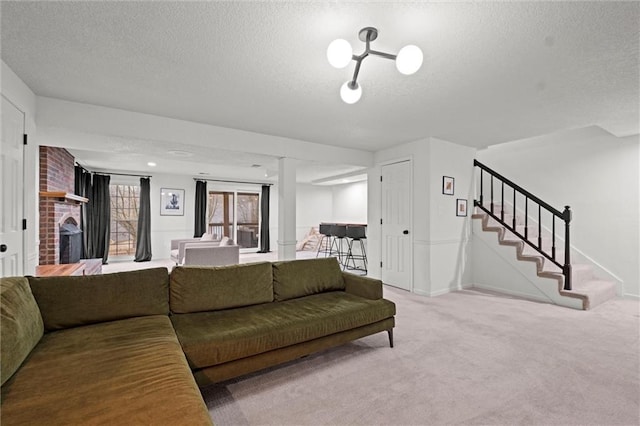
(100, 218)
(265, 246)
(143, 238)
(200, 225)
(83, 189)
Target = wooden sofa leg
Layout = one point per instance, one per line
(390, 332)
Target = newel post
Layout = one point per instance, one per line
(566, 269)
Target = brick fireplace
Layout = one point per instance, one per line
(58, 204)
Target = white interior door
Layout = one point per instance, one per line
(11, 190)
(396, 225)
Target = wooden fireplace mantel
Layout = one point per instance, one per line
(64, 197)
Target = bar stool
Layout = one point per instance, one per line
(339, 233)
(356, 233)
(324, 246)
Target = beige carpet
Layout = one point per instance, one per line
(467, 357)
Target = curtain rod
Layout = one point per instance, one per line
(232, 181)
(111, 173)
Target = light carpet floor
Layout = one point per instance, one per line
(467, 357)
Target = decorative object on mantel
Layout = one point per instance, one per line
(448, 185)
(171, 202)
(63, 197)
(461, 207)
(340, 54)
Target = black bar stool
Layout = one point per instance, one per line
(339, 233)
(356, 233)
(324, 246)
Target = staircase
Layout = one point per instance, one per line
(533, 252)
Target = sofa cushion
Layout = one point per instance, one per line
(197, 288)
(21, 325)
(240, 333)
(127, 372)
(298, 278)
(72, 301)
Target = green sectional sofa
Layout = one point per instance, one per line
(133, 347)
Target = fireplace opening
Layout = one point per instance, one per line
(70, 242)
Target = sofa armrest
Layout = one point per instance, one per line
(366, 287)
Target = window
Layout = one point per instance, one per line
(125, 200)
(235, 215)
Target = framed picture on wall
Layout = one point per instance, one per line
(171, 202)
(461, 207)
(447, 185)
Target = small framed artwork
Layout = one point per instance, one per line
(447, 185)
(171, 202)
(461, 207)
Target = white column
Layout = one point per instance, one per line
(286, 208)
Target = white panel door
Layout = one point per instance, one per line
(396, 225)
(11, 186)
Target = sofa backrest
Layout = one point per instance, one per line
(20, 324)
(211, 254)
(304, 277)
(198, 289)
(72, 301)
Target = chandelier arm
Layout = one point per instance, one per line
(356, 71)
(383, 54)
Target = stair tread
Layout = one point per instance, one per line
(592, 285)
(584, 283)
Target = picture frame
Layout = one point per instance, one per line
(448, 185)
(171, 202)
(461, 207)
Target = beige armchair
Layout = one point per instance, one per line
(177, 248)
(211, 254)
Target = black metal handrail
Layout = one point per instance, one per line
(564, 215)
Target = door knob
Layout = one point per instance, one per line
(405, 232)
(3, 248)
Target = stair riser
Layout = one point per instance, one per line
(582, 276)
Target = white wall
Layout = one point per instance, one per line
(14, 89)
(418, 153)
(597, 174)
(166, 228)
(314, 204)
(449, 247)
(439, 237)
(349, 203)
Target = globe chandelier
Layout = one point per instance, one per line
(340, 54)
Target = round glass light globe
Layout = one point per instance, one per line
(409, 59)
(349, 95)
(339, 53)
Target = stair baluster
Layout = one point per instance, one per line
(526, 218)
(565, 215)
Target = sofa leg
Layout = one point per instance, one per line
(390, 332)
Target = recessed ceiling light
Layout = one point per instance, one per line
(151, 164)
(180, 153)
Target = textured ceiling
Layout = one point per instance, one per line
(493, 71)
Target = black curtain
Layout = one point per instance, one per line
(143, 241)
(264, 220)
(200, 226)
(83, 189)
(100, 218)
